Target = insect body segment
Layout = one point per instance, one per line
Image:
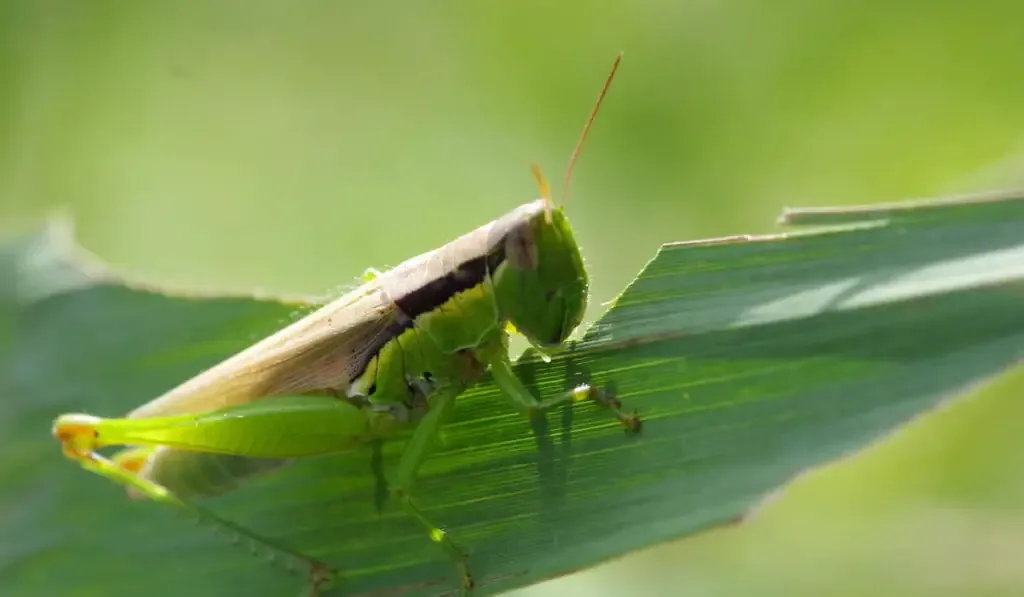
(393, 354)
(457, 300)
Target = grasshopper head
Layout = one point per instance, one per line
(542, 285)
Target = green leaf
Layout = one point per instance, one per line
(750, 359)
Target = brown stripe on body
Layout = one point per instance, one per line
(424, 283)
(427, 281)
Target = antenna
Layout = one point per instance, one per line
(586, 129)
(545, 190)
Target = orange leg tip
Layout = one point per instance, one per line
(74, 428)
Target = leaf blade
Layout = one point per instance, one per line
(750, 359)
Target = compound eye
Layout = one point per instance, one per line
(520, 248)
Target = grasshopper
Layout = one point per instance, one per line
(391, 355)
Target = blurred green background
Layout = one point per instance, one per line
(286, 146)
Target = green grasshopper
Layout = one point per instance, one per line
(392, 354)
